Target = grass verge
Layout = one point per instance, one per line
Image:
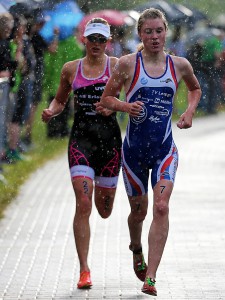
(44, 150)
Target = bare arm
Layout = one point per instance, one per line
(119, 79)
(194, 94)
(58, 103)
(99, 107)
(53, 46)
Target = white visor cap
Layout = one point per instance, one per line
(99, 28)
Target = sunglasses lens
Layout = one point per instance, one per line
(96, 39)
(102, 40)
(91, 38)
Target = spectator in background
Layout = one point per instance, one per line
(40, 47)
(117, 42)
(212, 49)
(68, 50)
(177, 45)
(21, 44)
(7, 67)
(194, 55)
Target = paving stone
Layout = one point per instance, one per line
(37, 252)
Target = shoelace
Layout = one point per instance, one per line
(141, 264)
(150, 281)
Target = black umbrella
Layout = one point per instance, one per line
(21, 9)
(198, 16)
(192, 15)
(27, 7)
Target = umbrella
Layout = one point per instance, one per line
(173, 14)
(65, 16)
(5, 4)
(113, 17)
(197, 16)
(21, 9)
(192, 15)
(32, 4)
(134, 15)
(2, 9)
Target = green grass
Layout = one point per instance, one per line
(16, 174)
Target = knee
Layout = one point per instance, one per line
(83, 207)
(104, 205)
(138, 216)
(105, 213)
(161, 209)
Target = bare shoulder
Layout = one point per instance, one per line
(180, 62)
(128, 59)
(182, 66)
(70, 66)
(113, 61)
(69, 69)
(125, 64)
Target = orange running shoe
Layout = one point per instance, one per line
(85, 280)
(149, 287)
(139, 265)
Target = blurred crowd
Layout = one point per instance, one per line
(28, 64)
(205, 49)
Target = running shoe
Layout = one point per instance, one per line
(139, 265)
(149, 287)
(85, 280)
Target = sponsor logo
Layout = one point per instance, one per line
(167, 80)
(164, 112)
(157, 100)
(162, 94)
(165, 102)
(155, 119)
(141, 117)
(105, 78)
(99, 88)
(157, 106)
(166, 173)
(144, 80)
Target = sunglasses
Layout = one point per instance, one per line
(97, 39)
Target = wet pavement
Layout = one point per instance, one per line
(37, 252)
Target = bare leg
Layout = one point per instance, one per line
(14, 135)
(83, 188)
(139, 206)
(160, 225)
(30, 121)
(104, 199)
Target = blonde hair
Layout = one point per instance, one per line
(150, 13)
